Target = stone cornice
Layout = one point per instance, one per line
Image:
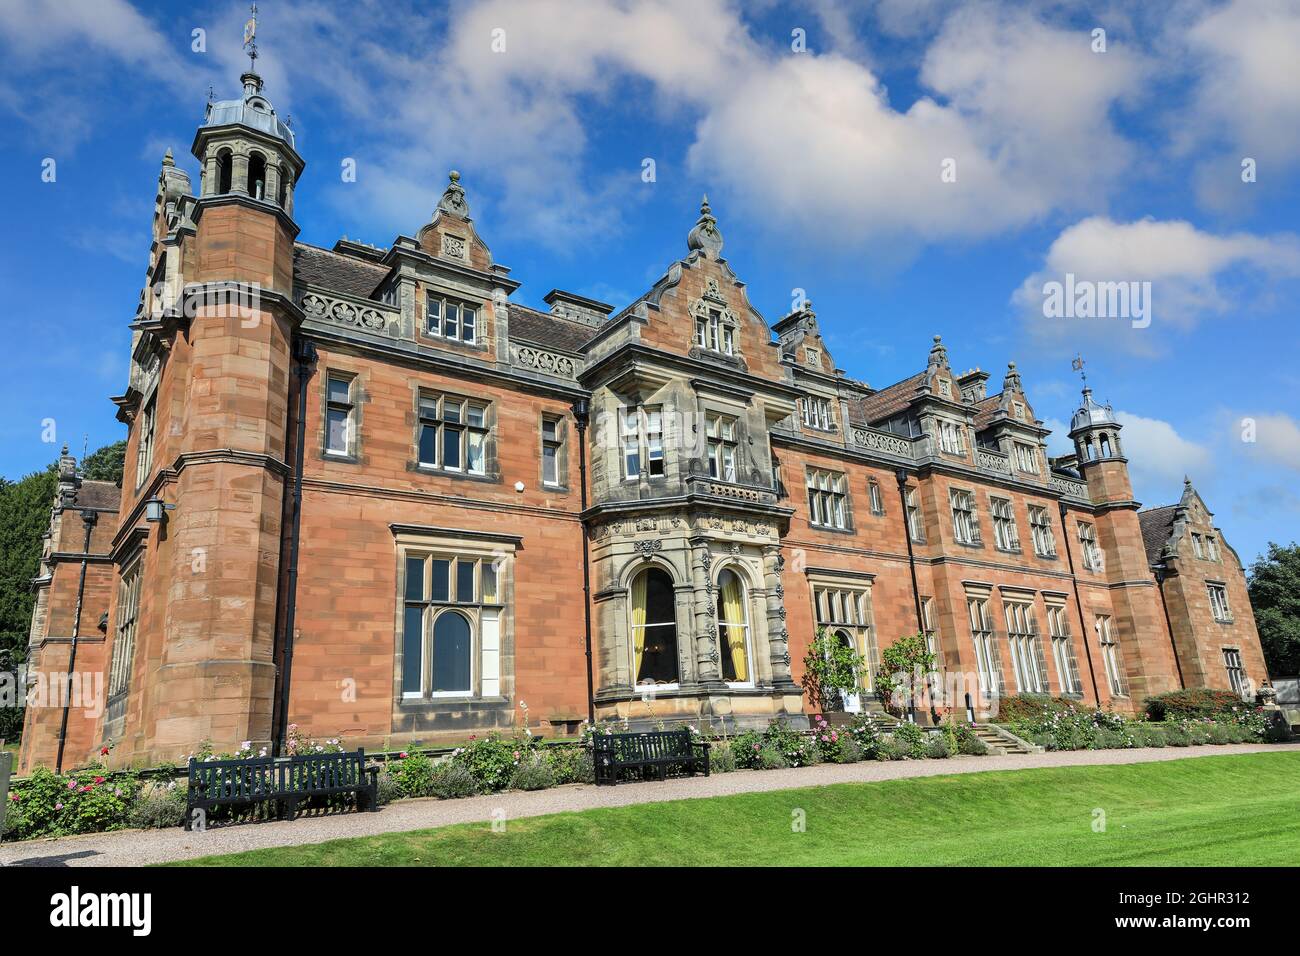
(631, 353)
(434, 532)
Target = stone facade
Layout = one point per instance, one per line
(371, 495)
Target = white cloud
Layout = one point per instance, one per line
(1158, 456)
(1277, 438)
(1194, 275)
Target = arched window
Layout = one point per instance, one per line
(654, 628)
(733, 628)
(257, 176)
(224, 171)
(284, 174)
(1105, 445)
(451, 654)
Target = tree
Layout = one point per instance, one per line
(24, 517)
(829, 668)
(904, 666)
(106, 463)
(1274, 585)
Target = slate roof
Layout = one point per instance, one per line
(1157, 525)
(887, 402)
(550, 331)
(985, 410)
(330, 270)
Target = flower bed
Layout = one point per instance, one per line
(1062, 725)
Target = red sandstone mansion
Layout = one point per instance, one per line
(370, 494)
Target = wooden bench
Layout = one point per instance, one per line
(282, 783)
(649, 752)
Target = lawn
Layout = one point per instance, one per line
(1235, 810)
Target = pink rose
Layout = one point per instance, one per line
(14, 797)
(58, 806)
(99, 780)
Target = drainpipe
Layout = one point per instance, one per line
(305, 354)
(901, 476)
(89, 517)
(581, 415)
(1162, 572)
(1078, 604)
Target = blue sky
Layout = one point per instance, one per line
(820, 131)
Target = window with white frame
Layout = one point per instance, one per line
(1040, 525)
(1219, 602)
(965, 524)
(1088, 542)
(1026, 650)
(817, 412)
(931, 633)
(988, 659)
(1236, 670)
(553, 463)
(452, 605)
(715, 333)
(1067, 665)
(652, 604)
(144, 449)
(952, 437)
(875, 497)
(1116, 679)
(915, 523)
(1197, 546)
(845, 610)
(453, 433)
(450, 319)
(732, 611)
(1026, 458)
(1212, 547)
(643, 441)
(340, 413)
(721, 446)
(1005, 535)
(828, 502)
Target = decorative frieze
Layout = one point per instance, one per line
(881, 441)
(372, 318)
(992, 461)
(1069, 487)
(539, 360)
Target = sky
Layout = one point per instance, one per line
(914, 167)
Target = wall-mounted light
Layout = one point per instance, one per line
(155, 510)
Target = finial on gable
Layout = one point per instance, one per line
(168, 159)
(705, 236)
(453, 197)
(1011, 381)
(938, 353)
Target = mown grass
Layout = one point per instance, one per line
(1232, 810)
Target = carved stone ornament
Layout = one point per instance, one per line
(453, 198)
(648, 548)
(705, 237)
(344, 313)
(453, 246)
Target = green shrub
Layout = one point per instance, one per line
(770, 758)
(1019, 708)
(912, 739)
(387, 788)
(1176, 735)
(50, 804)
(746, 749)
(1192, 703)
(847, 750)
(1239, 734)
(570, 764)
(863, 733)
(1220, 734)
(888, 749)
(412, 775)
(1106, 739)
(532, 773)
(721, 759)
(796, 748)
(1199, 731)
(967, 743)
(1149, 735)
(451, 781)
(938, 747)
(492, 759)
(158, 807)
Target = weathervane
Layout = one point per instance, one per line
(250, 38)
(1077, 365)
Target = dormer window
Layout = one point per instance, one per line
(713, 333)
(450, 319)
(817, 413)
(952, 438)
(1026, 458)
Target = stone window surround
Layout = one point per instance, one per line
(1211, 586)
(561, 484)
(859, 585)
(490, 471)
(460, 298)
(1007, 521)
(358, 397)
(451, 542)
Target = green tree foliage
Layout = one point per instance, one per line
(1274, 584)
(903, 666)
(106, 463)
(830, 667)
(24, 517)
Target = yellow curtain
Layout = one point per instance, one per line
(733, 613)
(638, 622)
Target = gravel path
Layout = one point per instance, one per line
(138, 847)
